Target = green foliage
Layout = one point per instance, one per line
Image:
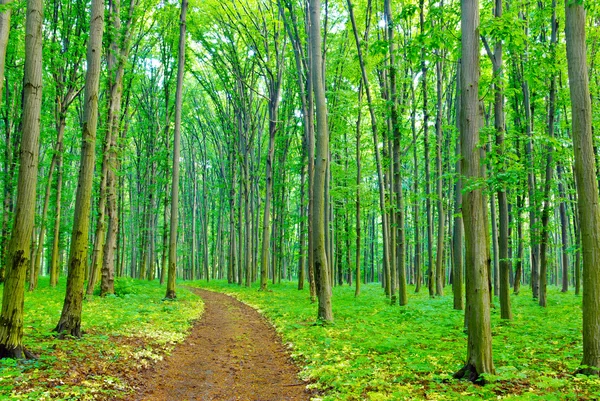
(124, 333)
(375, 351)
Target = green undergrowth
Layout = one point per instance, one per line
(375, 351)
(123, 334)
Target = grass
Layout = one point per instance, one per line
(123, 335)
(376, 351)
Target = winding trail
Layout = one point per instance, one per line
(231, 354)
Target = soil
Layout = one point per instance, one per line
(231, 354)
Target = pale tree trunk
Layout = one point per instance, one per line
(397, 178)
(479, 348)
(564, 226)
(274, 94)
(548, 179)
(18, 255)
(439, 262)
(116, 60)
(505, 265)
(55, 259)
(65, 78)
(520, 250)
(416, 213)
(310, 132)
(457, 229)
(304, 85)
(35, 266)
(302, 241)
(378, 162)
(322, 157)
(587, 185)
(172, 270)
(232, 267)
(204, 222)
(4, 33)
(531, 187)
(70, 319)
(431, 273)
(358, 182)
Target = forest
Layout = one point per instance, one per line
(407, 190)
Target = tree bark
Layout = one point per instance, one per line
(587, 185)
(400, 254)
(378, 162)
(322, 157)
(18, 255)
(499, 125)
(457, 229)
(172, 269)
(70, 319)
(479, 351)
(549, 169)
(564, 226)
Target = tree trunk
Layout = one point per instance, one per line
(274, 94)
(457, 229)
(322, 157)
(378, 162)
(416, 213)
(55, 259)
(430, 268)
(4, 34)
(400, 256)
(18, 255)
(479, 351)
(499, 125)
(439, 262)
(70, 319)
(302, 241)
(172, 269)
(587, 185)
(35, 266)
(564, 226)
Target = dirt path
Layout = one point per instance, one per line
(231, 354)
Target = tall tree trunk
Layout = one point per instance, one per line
(4, 33)
(520, 250)
(274, 94)
(564, 226)
(302, 241)
(531, 186)
(416, 213)
(439, 263)
(549, 169)
(457, 229)
(322, 157)
(499, 125)
(429, 228)
(587, 185)
(378, 161)
(397, 178)
(358, 182)
(479, 351)
(18, 255)
(55, 258)
(172, 270)
(70, 319)
(35, 266)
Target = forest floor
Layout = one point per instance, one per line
(231, 354)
